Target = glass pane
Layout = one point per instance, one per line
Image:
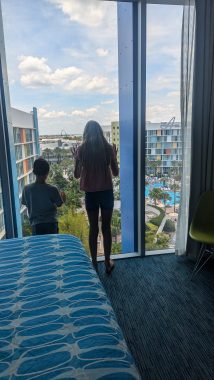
(71, 80)
(163, 129)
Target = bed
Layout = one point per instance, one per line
(55, 319)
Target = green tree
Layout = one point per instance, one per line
(156, 194)
(26, 227)
(56, 177)
(73, 194)
(164, 180)
(116, 224)
(116, 182)
(162, 241)
(150, 240)
(176, 170)
(156, 242)
(166, 197)
(58, 153)
(75, 223)
(169, 226)
(116, 248)
(46, 154)
(153, 166)
(175, 188)
(67, 167)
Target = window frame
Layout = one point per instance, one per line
(139, 91)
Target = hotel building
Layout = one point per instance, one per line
(26, 144)
(163, 146)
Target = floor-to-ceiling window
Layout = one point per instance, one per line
(82, 82)
(163, 138)
(71, 79)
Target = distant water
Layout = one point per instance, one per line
(171, 193)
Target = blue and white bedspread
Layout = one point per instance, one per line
(55, 319)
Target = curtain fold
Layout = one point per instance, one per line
(199, 177)
(202, 165)
(187, 69)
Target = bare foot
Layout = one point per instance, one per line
(109, 266)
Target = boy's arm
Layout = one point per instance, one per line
(57, 198)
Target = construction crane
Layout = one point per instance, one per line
(169, 124)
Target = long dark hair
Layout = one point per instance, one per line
(95, 150)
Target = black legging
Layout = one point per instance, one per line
(106, 216)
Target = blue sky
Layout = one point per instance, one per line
(62, 58)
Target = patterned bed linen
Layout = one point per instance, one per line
(55, 319)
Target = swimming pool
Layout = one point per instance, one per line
(160, 185)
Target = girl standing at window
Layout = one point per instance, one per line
(95, 162)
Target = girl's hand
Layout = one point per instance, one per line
(115, 149)
(74, 150)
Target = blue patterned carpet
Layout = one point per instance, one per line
(55, 319)
(168, 321)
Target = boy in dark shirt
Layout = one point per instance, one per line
(42, 201)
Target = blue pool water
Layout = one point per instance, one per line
(171, 193)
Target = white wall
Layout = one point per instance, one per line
(21, 119)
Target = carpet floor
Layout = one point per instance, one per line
(167, 321)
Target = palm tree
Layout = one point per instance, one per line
(166, 197)
(58, 153)
(156, 194)
(164, 180)
(174, 188)
(46, 154)
(154, 165)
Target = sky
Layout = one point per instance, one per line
(62, 58)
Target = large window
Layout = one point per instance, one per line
(72, 79)
(163, 128)
(75, 78)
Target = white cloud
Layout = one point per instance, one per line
(45, 114)
(77, 113)
(166, 82)
(87, 83)
(162, 112)
(102, 52)
(35, 72)
(106, 102)
(84, 113)
(87, 12)
(73, 121)
(91, 111)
